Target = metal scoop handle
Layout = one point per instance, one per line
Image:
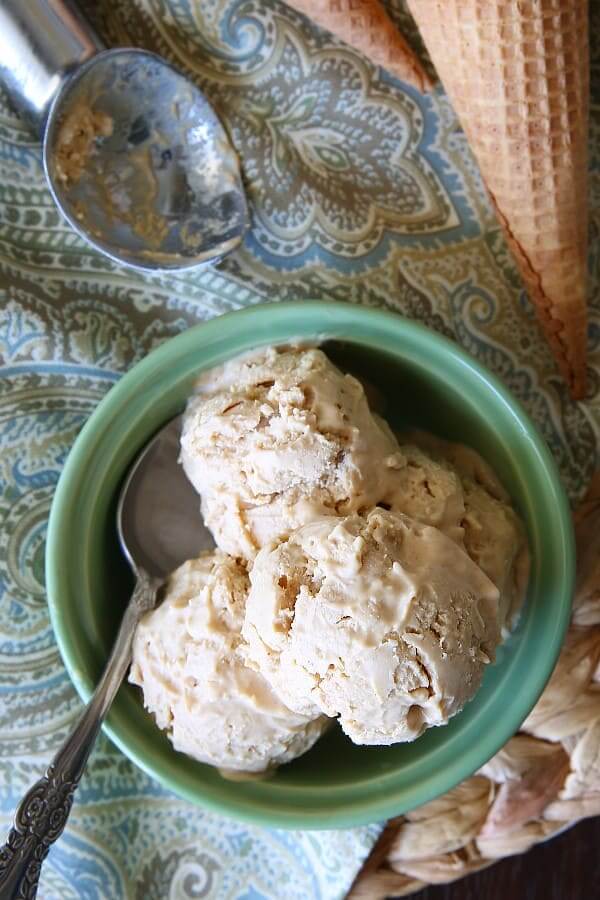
(41, 43)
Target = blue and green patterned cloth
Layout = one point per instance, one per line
(362, 190)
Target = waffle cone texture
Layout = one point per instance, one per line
(365, 26)
(517, 74)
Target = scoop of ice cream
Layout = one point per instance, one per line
(426, 489)
(376, 619)
(188, 660)
(463, 459)
(495, 539)
(492, 532)
(277, 439)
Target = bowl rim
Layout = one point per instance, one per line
(335, 315)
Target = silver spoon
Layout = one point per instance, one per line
(136, 159)
(159, 527)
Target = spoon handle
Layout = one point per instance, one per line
(43, 812)
(41, 42)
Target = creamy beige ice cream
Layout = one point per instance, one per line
(492, 533)
(382, 572)
(276, 439)
(426, 489)
(77, 140)
(495, 540)
(188, 660)
(376, 619)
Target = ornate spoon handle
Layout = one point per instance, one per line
(43, 812)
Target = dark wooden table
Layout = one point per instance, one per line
(564, 868)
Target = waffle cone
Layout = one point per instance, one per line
(517, 73)
(365, 25)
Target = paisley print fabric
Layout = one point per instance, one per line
(361, 190)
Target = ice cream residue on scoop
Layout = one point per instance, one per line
(77, 139)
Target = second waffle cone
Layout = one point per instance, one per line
(517, 74)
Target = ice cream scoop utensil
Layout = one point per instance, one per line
(136, 158)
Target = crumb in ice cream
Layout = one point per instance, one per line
(77, 138)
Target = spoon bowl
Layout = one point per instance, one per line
(158, 514)
(140, 165)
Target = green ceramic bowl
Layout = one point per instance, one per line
(429, 382)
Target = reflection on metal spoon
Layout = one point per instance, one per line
(141, 166)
